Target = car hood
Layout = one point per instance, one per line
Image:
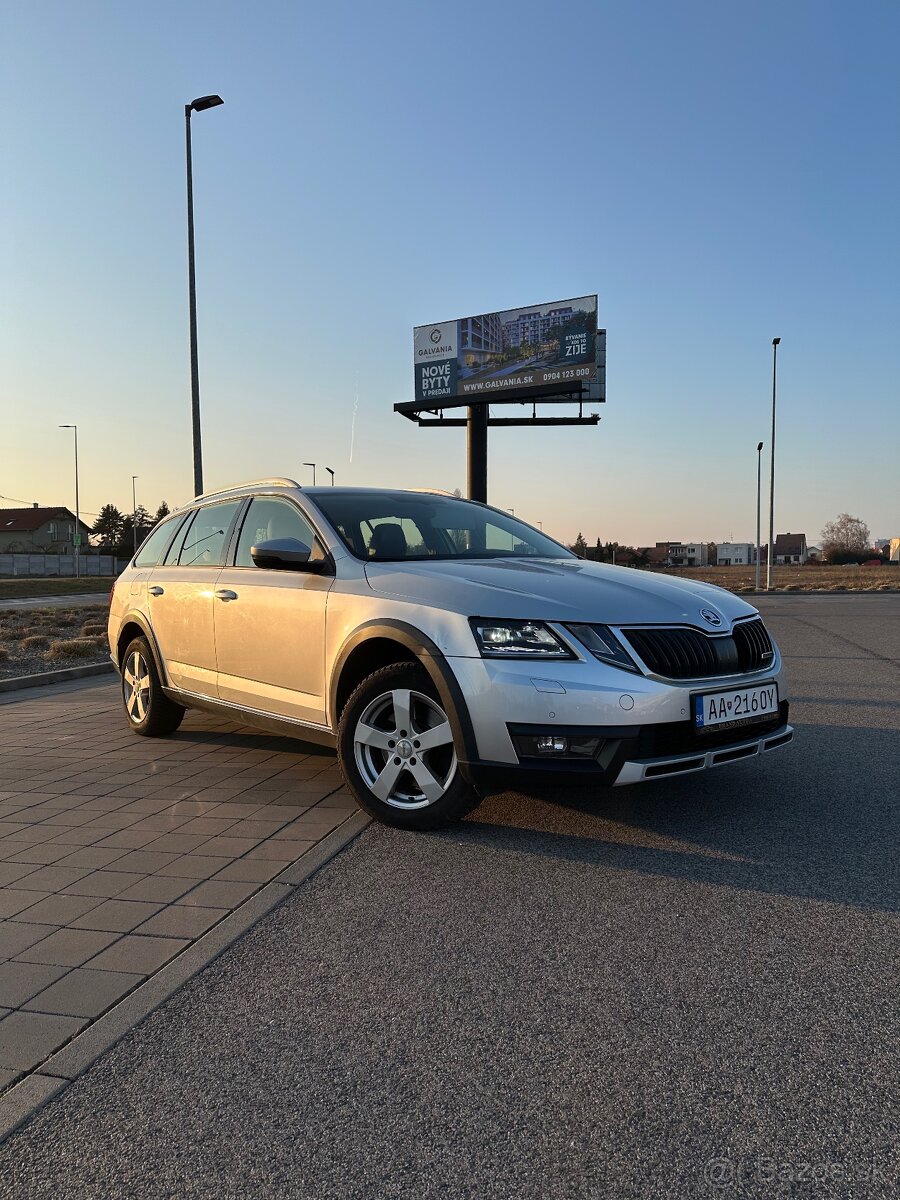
(556, 590)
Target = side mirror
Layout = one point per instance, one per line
(285, 554)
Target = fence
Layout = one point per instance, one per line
(60, 564)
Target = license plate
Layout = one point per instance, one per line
(717, 710)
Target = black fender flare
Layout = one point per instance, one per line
(434, 662)
(138, 618)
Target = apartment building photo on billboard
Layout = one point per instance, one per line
(518, 349)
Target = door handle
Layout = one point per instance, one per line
(226, 594)
(156, 590)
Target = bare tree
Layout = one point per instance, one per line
(845, 538)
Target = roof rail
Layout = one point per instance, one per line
(239, 487)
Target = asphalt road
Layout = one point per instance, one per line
(79, 600)
(683, 989)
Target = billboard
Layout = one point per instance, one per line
(513, 351)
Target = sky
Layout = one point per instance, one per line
(719, 174)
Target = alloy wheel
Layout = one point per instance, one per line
(403, 746)
(136, 686)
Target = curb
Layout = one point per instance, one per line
(55, 1074)
(45, 678)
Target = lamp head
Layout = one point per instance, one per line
(204, 102)
(776, 341)
(759, 447)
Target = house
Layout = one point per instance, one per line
(791, 548)
(685, 554)
(39, 530)
(813, 553)
(895, 550)
(735, 554)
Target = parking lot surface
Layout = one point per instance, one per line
(683, 989)
(117, 852)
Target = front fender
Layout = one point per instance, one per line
(432, 660)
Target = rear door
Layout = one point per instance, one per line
(181, 592)
(270, 625)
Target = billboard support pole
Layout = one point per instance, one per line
(476, 452)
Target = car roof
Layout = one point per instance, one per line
(287, 486)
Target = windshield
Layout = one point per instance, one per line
(395, 526)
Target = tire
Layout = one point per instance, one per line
(381, 729)
(149, 710)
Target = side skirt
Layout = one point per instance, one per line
(320, 735)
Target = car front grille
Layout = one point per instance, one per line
(679, 653)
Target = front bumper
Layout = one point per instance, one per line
(629, 754)
(642, 724)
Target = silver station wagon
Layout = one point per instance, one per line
(446, 649)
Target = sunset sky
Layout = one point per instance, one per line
(718, 174)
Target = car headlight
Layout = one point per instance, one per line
(517, 639)
(603, 644)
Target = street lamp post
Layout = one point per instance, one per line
(771, 554)
(198, 105)
(77, 539)
(758, 499)
(134, 511)
(313, 465)
(331, 473)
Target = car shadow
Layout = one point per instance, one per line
(819, 819)
(203, 729)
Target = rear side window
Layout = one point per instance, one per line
(204, 543)
(157, 541)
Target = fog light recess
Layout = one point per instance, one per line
(557, 745)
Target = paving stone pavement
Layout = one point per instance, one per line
(119, 852)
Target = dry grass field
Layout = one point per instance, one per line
(809, 578)
(33, 640)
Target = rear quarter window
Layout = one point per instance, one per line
(157, 542)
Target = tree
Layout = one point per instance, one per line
(109, 527)
(580, 546)
(162, 511)
(846, 539)
(144, 522)
(639, 556)
(124, 548)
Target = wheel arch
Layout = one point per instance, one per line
(136, 625)
(381, 643)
